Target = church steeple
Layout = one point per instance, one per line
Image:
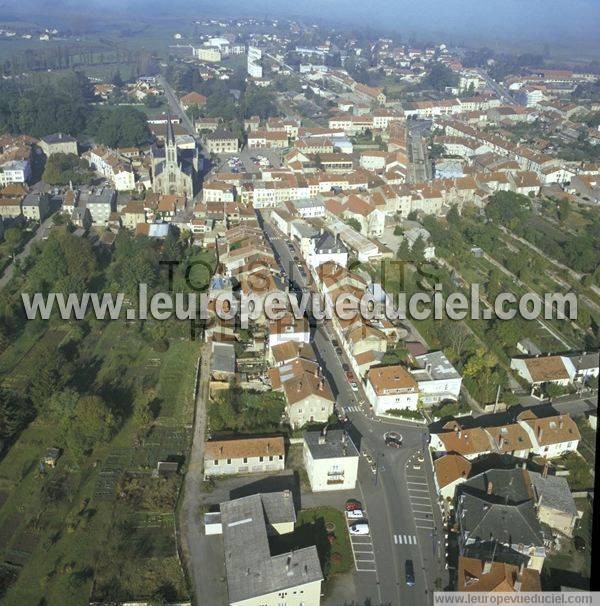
(170, 132)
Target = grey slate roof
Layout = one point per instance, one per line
(223, 357)
(508, 485)
(336, 443)
(509, 524)
(554, 492)
(251, 570)
(327, 243)
(58, 138)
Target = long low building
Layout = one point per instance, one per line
(247, 455)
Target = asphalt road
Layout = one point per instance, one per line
(420, 167)
(204, 570)
(176, 108)
(403, 526)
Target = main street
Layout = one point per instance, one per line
(176, 108)
(399, 496)
(420, 166)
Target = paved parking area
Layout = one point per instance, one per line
(364, 556)
(420, 497)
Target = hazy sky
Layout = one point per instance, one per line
(563, 22)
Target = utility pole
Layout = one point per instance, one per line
(497, 398)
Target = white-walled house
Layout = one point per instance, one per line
(542, 370)
(550, 437)
(437, 379)
(449, 471)
(330, 459)
(325, 247)
(252, 455)
(391, 387)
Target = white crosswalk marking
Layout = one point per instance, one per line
(405, 539)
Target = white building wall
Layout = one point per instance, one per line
(322, 472)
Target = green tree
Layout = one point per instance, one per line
(119, 127)
(13, 237)
(354, 224)
(62, 169)
(92, 422)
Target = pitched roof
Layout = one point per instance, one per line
(466, 441)
(546, 368)
(390, 379)
(244, 447)
(551, 430)
(450, 468)
(477, 575)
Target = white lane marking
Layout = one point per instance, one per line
(418, 483)
(425, 527)
(396, 539)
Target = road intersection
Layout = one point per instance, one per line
(404, 520)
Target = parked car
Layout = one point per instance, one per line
(351, 379)
(338, 351)
(361, 528)
(355, 514)
(409, 571)
(352, 504)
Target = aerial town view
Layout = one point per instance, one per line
(299, 302)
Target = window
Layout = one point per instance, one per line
(271, 458)
(281, 457)
(228, 461)
(245, 459)
(261, 459)
(216, 461)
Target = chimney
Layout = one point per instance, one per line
(560, 422)
(540, 432)
(490, 487)
(288, 562)
(545, 472)
(487, 567)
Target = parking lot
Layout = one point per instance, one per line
(419, 494)
(362, 544)
(249, 160)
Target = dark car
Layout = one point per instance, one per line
(338, 351)
(346, 367)
(579, 543)
(409, 570)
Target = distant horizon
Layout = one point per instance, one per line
(553, 26)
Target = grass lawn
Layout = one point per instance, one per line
(326, 528)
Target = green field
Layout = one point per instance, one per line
(66, 533)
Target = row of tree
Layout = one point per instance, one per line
(66, 107)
